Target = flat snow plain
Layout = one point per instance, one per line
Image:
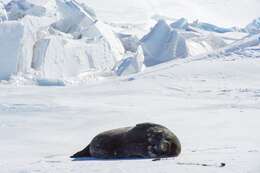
(212, 104)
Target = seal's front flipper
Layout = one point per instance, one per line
(83, 153)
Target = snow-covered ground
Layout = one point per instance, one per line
(68, 73)
(212, 104)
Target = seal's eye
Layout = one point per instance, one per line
(164, 146)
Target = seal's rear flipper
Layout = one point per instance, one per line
(83, 153)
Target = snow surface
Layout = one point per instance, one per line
(71, 69)
(212, 104)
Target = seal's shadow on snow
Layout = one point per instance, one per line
(218, 165)
(116, 159)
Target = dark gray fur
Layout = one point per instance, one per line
(145, 140)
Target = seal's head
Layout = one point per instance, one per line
(163, 143)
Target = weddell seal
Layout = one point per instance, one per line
(145, 140)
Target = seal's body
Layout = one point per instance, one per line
(145, 140)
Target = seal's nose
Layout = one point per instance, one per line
(175, 150)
